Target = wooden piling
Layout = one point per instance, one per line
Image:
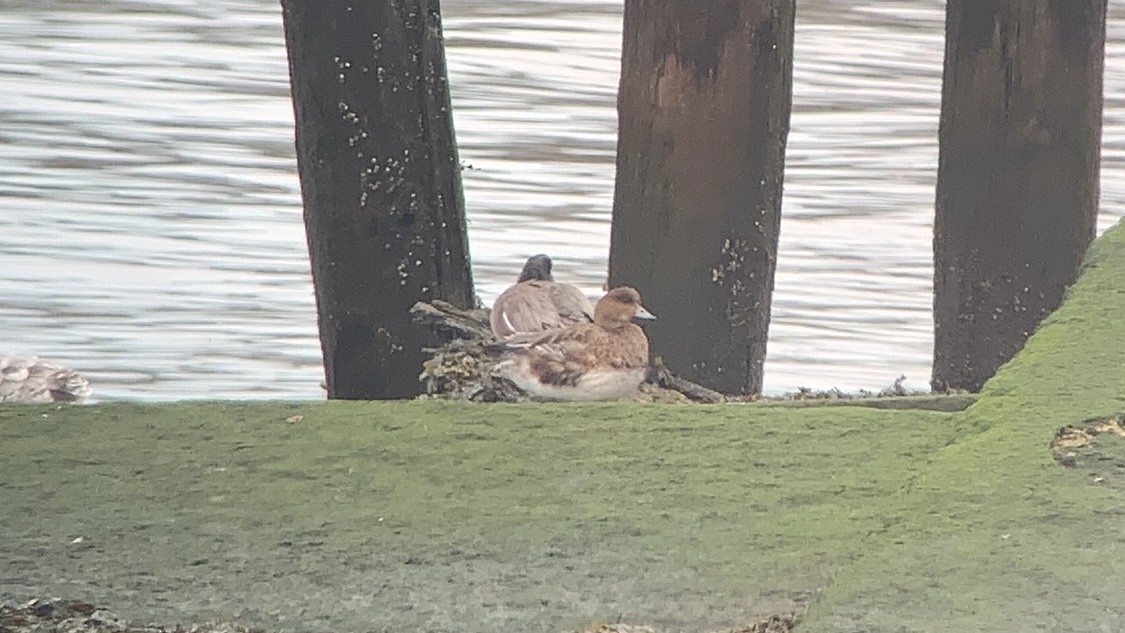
(1017, 190)
(704, 103)
(380, 178)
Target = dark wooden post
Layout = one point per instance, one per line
(380, 177)
(1017, 190)
(704, 102)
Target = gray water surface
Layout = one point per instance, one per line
(150, 213)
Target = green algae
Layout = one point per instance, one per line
(1012, 541)
(429, 515)
(435, 515)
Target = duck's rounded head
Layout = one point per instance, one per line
(537, 268)
(619, 307)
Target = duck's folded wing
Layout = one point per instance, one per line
(575, 342)
(562, 357)
(571, 304)
(526, 307)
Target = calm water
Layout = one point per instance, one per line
(150, 216)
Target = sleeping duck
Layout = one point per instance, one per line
(603, 360)
(29, 379)
(537, 302)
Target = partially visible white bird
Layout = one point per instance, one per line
(29, 379)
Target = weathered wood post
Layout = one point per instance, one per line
(1017, 190)
(703, 106)
(380, 177)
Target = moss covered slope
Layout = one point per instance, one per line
(996, 535)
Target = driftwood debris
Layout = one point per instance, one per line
(74, 616)
(663, 377)
(460, 369)
(450, 323)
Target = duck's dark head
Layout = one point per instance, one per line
(537, 268)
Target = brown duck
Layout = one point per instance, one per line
(603, 360)
(537, 302)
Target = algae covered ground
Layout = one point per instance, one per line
(438, 516)
(444, 516)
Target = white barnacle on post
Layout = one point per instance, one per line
(403, 269)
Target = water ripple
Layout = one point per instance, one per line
(150, 218)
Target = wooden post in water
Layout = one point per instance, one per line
(704, 102)
(1017, 190)
(380, 177)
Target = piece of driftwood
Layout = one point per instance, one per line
(663, 377)
(449, 322)
(73, 616)
(462, 370)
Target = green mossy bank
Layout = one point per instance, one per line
(993, 534)
(438, 516)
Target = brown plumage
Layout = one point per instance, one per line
(537, 302)
(603, 360)
(29, 379)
